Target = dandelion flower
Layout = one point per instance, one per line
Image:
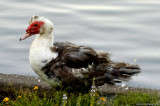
(36, 87)
(19, 97)
(6, 99)
(103, 98)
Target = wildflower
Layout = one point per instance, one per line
(103, 98)
(93, 87)
(36, 87)
(64, 100)
(93, 91)
(64, 97)
(19, 97)
(6, 99)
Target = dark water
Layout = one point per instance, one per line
(128, 29)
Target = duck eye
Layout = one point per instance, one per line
(36, 25)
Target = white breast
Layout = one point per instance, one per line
(39, 55)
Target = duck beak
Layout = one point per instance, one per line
(25, 36)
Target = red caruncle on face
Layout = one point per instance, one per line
(34, 28)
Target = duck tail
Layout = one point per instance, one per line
(115, 72)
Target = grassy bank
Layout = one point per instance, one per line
(32, 97)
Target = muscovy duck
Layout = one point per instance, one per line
(68, 66)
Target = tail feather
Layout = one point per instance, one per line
(114, 72)
(118, 72)
(124, 69)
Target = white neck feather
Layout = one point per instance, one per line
(40, 53)
(43, 40)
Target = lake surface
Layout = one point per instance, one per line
(128, 29)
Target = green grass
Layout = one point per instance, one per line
(26, 97)
(137, 98)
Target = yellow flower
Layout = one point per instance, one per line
(6, 99)
(36, 87)
(103, 98)
(19, 97)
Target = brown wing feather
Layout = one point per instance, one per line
(72, 57)
(76, 56)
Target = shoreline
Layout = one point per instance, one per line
(8, 81)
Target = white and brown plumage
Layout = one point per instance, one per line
(70, 66)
